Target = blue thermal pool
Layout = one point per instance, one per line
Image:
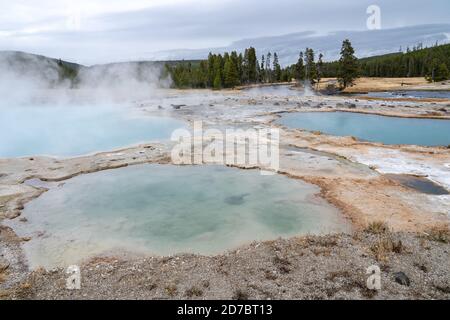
(77, 130)
(374, 128)
(164, 209)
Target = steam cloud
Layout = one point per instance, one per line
(29, 79)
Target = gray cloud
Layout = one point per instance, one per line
(366, 43)
(123, 35)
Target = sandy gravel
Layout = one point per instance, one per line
(328, 267)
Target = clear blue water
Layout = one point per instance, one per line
(388, 130)
(163, 209)
(76, 130)
(411, 94)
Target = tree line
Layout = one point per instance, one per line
(431, 63)
(229, 70)
(232, 69)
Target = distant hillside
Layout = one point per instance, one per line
(418, 62)
(25, 65)
(18, 57)
(49, 72)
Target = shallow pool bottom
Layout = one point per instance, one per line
(164, 210)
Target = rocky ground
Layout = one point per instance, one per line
(349, 172)
(413, 266)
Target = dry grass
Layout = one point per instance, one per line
(377, 227)
(365, 84)
(385, 246)
(439, 233)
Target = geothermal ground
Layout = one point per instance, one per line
(403, 231)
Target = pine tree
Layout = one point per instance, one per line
(276, 68)
(319, 68)
(226, 57)
(240, 68)
(217, 82)
(211, 72)
(202, 75)
(441, 73)
(235, 67)
(299, 68)
(263, 70)
(258, 72)
(252, 65)
(310, 66)
(268, 68)
(246, 67)
(348, 65)
(410, 67)
(218, 72)
(230, 74)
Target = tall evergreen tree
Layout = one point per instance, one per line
(235, 66)
(230, 73)
(246, 67)
(263, 69)
(252, 65)
(217, 82)
(240, 68)
(268, 68)
(299, 68)
(348, 65)
(202, 75)
(276, 68)
(226, 56)
(410, 67)
(218, 72)
(310, 66)
(443, 72)
(319, 67)
(211, 72)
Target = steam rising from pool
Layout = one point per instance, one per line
(44, 113)
(27, 79)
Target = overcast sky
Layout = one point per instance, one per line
(96, 31)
